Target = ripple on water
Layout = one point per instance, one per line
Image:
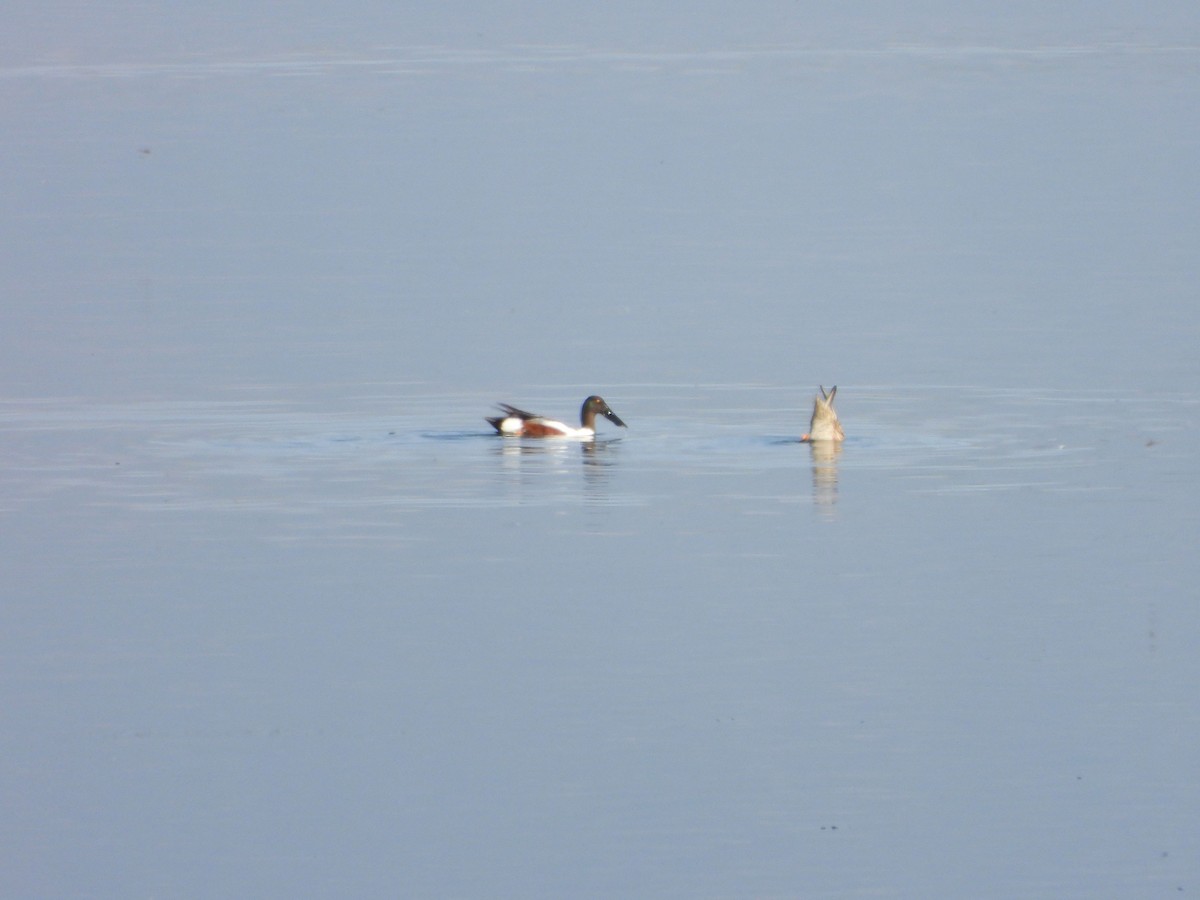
(293, 456)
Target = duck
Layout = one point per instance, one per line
(824, 425)
(519, 423)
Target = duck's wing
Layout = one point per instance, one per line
(510, 410)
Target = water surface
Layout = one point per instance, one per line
(282, 618)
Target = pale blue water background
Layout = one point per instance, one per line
(279, 618)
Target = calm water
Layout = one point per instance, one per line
(281, 618)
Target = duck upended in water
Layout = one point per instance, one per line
(824, 425)
(519, 423)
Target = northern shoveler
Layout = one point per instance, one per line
(517, 422)
(824, 425)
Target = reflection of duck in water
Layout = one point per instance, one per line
(825, 472)
(824, 425)
(517, 422)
